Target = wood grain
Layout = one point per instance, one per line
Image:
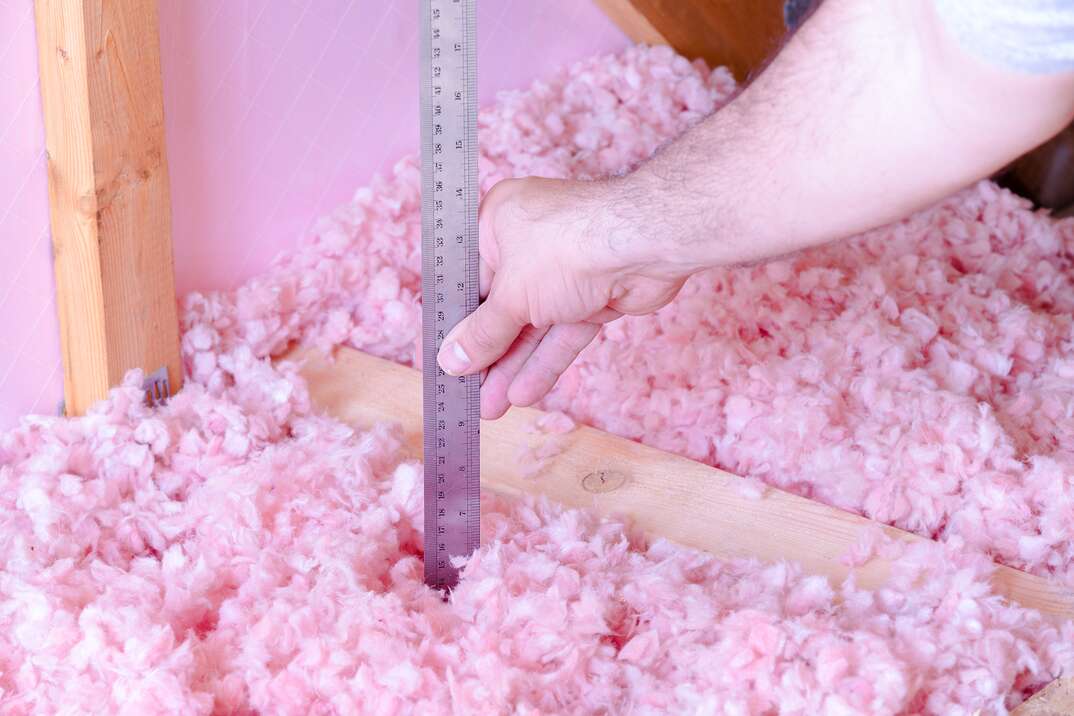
(108, 192)
(741, 34)
(1055, 699)
(662, 494)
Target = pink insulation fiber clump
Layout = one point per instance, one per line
(235, 552)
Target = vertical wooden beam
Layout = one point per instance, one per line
(740, 34)
(108, 190)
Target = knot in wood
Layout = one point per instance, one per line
(603, 481)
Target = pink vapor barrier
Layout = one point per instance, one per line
(276, 111)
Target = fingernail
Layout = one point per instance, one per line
(453, 358)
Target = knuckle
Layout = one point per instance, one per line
(498, 197)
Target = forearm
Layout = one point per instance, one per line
(870, 112)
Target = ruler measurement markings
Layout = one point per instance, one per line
(449, 283)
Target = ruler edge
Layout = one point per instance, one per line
(473, 299)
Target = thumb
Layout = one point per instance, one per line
(480, 339)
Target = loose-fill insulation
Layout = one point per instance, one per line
(236, 552)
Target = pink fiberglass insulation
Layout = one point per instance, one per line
(235, 552)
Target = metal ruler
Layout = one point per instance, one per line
(449, 282)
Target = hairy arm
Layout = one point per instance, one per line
(872, 110)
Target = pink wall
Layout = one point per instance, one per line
(30, 373)
(277, 110)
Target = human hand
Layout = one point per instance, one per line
(558, 259)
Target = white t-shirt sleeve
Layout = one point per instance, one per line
(1027, 35)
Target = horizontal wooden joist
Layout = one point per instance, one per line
(663, 494)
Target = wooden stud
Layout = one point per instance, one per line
(739, 34)
(108, 193)
(662, 494)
